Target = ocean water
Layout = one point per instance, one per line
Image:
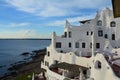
(10, 51)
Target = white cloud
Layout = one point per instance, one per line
(48, 8)
(24, 24)
(15, 34)
(53, 23)
(19, 24)
(73, 20)
(32, 33)
(22, 34)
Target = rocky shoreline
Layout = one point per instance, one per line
(25, 67)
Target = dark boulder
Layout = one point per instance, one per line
(25, 53)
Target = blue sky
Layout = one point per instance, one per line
(39, 18)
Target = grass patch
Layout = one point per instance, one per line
(24, 77)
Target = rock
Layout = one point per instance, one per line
(37, 51)
(13, 73)
(2, 66)
(25, 53)
(26, 66)
(11, 69)
(27, 59)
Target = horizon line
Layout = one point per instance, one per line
(25, 38)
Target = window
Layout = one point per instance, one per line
(58, 44)
(97, 45)
(90, 45)
(100, 33)
(48, 53)
(61, 51)
(45, 63)
(70, 45)
(106, 36)
(99, 23)
(85, 72)
(65, 34)
(87, 33)
(113, 36)
(91, 33)
(98, 65)
(83, 45)
(77, 44)
(113, 24)
(70, 34)
(56, 62)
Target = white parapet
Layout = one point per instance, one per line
(33, 76)
(54, 76)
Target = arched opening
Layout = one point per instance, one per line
(112, 24)
(99, 23)
(106, 36)
(98, 65)
(48, 53)
(113, 36)
(70, 34)
(65, 34)
(70, 45)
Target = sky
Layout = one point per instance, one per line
(39, 18)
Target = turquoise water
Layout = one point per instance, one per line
(10, 51)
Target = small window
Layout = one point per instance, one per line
(61, 51)
(45, 63)
(77, 45)
(113, 24)
(83, 45)
(65, 34)
(100, 33)
(90, 45)
(113, 36)
(99, 23)
(98, 65)
(48, 53)
(58, 44)
(91, 33)
(106, 36)
(70, 34)
(56, 62)
(84, 72)
(97, 45)
(87, 33)
(70, 45)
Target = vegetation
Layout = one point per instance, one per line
(24, 77)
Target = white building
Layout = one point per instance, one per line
(90, 51)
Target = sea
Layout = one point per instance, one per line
(11, 50)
